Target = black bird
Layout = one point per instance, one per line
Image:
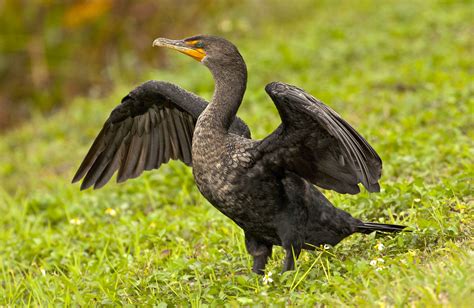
(265, 186)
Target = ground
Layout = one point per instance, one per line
(401, 73)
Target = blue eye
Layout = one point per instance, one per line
(199, 45)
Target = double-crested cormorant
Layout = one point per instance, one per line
(265, 186)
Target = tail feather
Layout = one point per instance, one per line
(369, 227)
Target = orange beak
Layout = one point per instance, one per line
(185, 47)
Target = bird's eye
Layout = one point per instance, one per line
(199, 44)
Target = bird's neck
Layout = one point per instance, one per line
(230, 84)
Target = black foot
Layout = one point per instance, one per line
(292, 254)
(260, 252)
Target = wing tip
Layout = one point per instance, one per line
(79, 175)
(99, 185)
(122, 178)
(85, 185)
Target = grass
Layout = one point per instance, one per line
(401, 73)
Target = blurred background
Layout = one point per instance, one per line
(53, 51)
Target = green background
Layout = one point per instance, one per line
(401, 72)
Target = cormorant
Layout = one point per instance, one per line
(265, 186)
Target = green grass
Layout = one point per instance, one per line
(400, 72)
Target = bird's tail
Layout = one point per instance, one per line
(369, 227)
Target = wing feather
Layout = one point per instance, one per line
(152, 155)
(335, 156)
(182, 140)
(111, 168)
(167, 143)
(153, 124)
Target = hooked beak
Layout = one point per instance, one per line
(182, 46)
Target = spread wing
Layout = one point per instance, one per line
(316, 143)
(153, 124)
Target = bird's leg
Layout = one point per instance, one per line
(292, 254)
(260, 253)
(291, 240)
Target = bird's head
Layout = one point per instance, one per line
(210, 50)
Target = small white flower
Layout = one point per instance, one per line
(76, 221)
(43, 271)
(267, 278)
(327, 246)
(380, 246)
(378, 264)
(417, 200)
